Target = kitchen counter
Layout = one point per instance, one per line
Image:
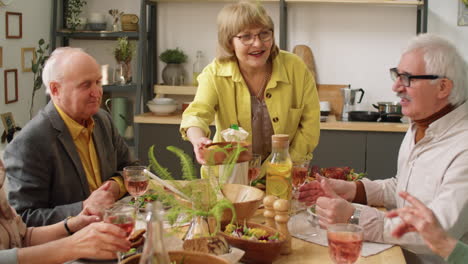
(330, 124)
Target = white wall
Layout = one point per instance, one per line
(36, 25)
(352, 44)
(443, 20)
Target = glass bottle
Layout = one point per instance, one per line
(278, 168)
(197, 68)
(154, 251)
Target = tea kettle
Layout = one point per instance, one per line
(349, 100)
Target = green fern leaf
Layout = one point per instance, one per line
(188, 170)
(162, 172)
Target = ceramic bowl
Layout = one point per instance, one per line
(163, 101)
(246, 200)
(161, 109)
(213, 156)
(97, 26)
(186, 257)
(257, 252)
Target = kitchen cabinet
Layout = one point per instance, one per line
(374, 153)
(139, 88)
(162, 136)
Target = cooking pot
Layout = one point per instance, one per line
(388, 107)
(365, 116)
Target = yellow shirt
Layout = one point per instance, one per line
(291, 98)
(82, 137)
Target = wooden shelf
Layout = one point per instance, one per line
(181, 90)
(120, 88)
(87, 34)
(377, 2)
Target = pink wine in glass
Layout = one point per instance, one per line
(344, 247)
(253, 173)
(136, 186)
(124, 222)
(299, 176)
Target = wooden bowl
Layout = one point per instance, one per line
(257, 252)
(246, 200)
(216, 157)
(186, 257)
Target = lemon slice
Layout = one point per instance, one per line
(278, 186)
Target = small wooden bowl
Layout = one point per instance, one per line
(213, 156)
(257, 252)
(246, 200)
(186, 257)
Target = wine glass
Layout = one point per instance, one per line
(255, 166)
(344, 243)
(136, 181)
(123, 216)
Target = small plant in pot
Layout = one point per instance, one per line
(123, 54)
(173, 73)
(73, 11)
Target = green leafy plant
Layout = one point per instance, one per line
(124, 50)
(204, 194)
(73, 10)
(176, 56)
(37, 67)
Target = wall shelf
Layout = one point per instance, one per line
(98, 35)
(120, 88)
(180, 90)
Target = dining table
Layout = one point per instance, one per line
(305, 252)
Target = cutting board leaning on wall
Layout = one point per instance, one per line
(326, 92)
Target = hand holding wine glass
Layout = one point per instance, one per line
(123, 216)
(136, 181)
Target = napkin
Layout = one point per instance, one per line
(299, 222)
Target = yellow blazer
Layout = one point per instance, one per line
(291, 98)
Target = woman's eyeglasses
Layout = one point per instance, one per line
(249, 39)
(406, 78)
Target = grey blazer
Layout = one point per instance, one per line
(46, 178)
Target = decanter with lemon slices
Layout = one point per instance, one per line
(278, 168)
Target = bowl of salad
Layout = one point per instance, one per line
(261, 244)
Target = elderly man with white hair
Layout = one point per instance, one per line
(68, 157)
(431, 80)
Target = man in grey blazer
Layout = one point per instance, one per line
(68, 157)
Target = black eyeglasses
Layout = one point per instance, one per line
(406, 78)
(248, 39)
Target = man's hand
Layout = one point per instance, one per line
(99, 200)
(331, 208)
(313, 190)
(420, 218)
(98, 240)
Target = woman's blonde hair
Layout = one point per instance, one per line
(234, 18)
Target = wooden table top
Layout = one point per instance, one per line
(310, 253)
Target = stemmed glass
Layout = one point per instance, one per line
(136, 181)
(344, 243)
(123, 216)
(255, 166)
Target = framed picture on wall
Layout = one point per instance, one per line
(27, 59)
(1, 57)
(8, 121)
(463, 12)
(14, 25)
(11, 85)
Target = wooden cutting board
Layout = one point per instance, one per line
(305, 53)
(332, 94)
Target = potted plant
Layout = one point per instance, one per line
(37, 67)
(173, 73)
(123, 54)
(73, 12)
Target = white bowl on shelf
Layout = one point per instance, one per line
(161, 109)
(163, 101)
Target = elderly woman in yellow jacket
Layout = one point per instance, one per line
(253, 84)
